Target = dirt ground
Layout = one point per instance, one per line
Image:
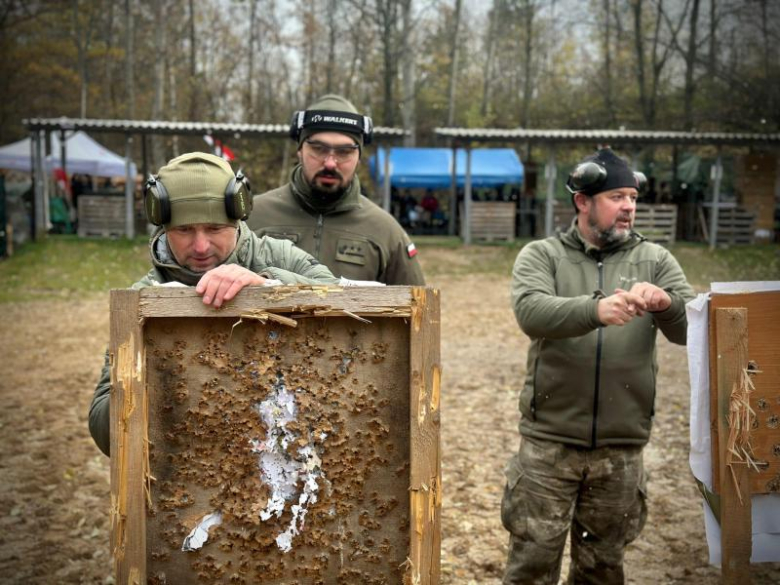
(54, 483)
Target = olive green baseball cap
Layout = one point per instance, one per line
(196, 183)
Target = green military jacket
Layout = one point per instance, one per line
(587, 384)
(353, 237)
(273, 259)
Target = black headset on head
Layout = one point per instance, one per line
(588, 177)
(238, 199)
(333, 121)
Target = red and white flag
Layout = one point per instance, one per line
(220, 149)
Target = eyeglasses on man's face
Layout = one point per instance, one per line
(341, 153)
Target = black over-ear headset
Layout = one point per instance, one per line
(238, 199)
(331, 120)
(588, 177)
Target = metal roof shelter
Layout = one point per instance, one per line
(40, 128)
(465, 136)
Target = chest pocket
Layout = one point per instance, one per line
(292, 236)
(352, 251)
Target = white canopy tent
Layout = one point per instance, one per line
(83, 155)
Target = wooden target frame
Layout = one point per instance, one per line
(296, 429)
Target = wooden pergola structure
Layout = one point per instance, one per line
(41, 128)
(549, 139)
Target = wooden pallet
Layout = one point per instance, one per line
(736, 225)
(101, 215)
(658, 223)
(493, 220)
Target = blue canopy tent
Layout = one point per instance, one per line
(431, 168)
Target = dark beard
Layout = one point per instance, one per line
(328, 195)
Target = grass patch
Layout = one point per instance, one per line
(62, 266)
(65, 266)
(737, 263)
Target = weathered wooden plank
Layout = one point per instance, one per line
(129, 477)
(763, 348)
(735, 508)
(296, 301)
(425, 481)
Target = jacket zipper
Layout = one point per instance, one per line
(600, 266)
(318, 236)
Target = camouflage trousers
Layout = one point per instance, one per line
(552, 489)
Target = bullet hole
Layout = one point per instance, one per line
(772, 422)
(762, 404)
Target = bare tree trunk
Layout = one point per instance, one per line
(193, 80)
(250, 77)
(330, 70)
(690, 64)
(129, 60)
(387, 10)
(609, 103)
(172, 100)
(487, 85)
(82, 36)
(408, 102)
(639, 44)
(530, 9)
(356, 37)
(158, 150)
(712, 57)
(454, 63)
(108, 61)
(309, 26)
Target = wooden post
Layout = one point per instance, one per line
(425, 479)
(128, 444)
(386, 184)
(735, 519)
(129, 190)
(550, 171)
(467, 199)
(716, 176)
(453, 224)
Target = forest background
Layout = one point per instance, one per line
(703, 65)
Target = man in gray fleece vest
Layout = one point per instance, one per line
(592, 300)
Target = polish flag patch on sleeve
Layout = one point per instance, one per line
(411, 250)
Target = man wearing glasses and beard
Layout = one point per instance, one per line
(322, 209)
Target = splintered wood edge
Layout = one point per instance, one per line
(296, 301)
(423, 566)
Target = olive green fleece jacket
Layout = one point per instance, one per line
(352, 236)
(268, 257)
(586, 384)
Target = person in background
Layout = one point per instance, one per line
(322, 210)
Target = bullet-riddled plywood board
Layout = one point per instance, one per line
(763, 340)
(306, 454)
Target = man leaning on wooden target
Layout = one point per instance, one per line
(592, 300)
(199, 206)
